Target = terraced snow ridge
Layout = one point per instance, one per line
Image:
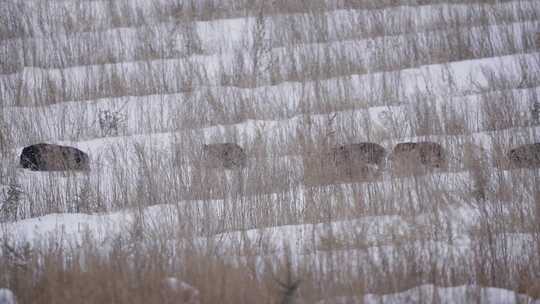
(142, 86)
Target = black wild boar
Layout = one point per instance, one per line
(49, 157)
(525, 156)
(226, 155)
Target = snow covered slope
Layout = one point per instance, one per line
(284, 80)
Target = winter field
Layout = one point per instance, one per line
(283, 79)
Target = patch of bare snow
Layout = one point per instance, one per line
(7, 296)
(444, 295)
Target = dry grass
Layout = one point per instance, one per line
(326, 78)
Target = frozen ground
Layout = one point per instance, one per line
(145, 178)
(430, 293)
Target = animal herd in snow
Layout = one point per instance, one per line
(349, 162)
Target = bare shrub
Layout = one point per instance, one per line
(475, 159)
(10, 200)
(110, 122)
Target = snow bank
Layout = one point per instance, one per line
(7, 296)
(443, 295)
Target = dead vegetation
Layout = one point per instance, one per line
(302, 84)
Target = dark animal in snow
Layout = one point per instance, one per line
(428, 154)
(525, 156)
(50, 157)
(366, 153)
(345, 163)
(225, 155)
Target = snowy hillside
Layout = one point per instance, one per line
(142, 86)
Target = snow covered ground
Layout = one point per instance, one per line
(363, 79)
(430, 293)
(7, 296)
